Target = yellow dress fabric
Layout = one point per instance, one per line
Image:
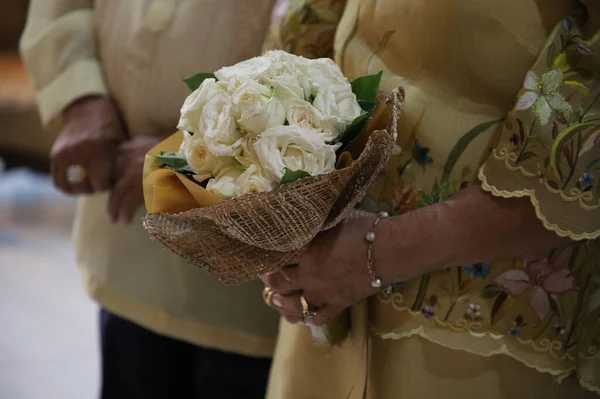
(500, 94)
(138, 52)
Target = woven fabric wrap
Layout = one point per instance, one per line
(243, 238)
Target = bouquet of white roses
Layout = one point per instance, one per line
(254, 176)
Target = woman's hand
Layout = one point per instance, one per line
(89, 139)
(472, 226)
(332, 274)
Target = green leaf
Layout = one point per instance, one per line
(554, 305)
(560, 142)
(293, 175)
(367, 106)
(594, 165)
(422, 293)
(353, 131)
(436, 192)
(491, 291)
(465, 173)
(580, 87)
(175, 162)
(462, 145)
(560, 62)
(366, 87)
(195, 81)
(424, 200)
(527, 155)
(551, 55)
(499, 307)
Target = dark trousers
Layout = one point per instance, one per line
(137, 363)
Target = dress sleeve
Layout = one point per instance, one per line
(549, 146)
(305, 27)
(59, 53)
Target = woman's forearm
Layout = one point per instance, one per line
(473, 226)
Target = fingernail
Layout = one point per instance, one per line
(277, 301)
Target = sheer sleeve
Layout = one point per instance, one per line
(305, 27)
(549, 147)
(59, 53)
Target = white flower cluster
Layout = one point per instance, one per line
(263, 116)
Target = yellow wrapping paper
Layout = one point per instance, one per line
(166, 191)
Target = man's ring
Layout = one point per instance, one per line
(76, 174)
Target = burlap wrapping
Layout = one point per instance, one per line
(243, 238)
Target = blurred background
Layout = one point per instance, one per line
(48, 327)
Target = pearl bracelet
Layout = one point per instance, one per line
(370, 239)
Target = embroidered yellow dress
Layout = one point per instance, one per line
(502, 94)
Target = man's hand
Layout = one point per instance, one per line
(89, 138)
(128, 194)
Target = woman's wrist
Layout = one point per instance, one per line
(407, 246)
(473, 226)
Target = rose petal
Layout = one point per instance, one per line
(515, 282)
(559, 282)
(539, 302)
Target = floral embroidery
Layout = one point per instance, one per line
(428, 311)
(559, 329)
(517, 327)
(479, 270)
(514, 331)
(587, 180)
(305, 27)
(473, 312)
(542, 93)
(552, 137)
(421, 154)
(543, 277)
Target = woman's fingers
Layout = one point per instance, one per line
(326, 315)
(284, 281)
(290, 307)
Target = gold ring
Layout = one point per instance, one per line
(268, 295)
(307, 310)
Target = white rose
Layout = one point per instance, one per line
(217, 125)
(338, 101)
(288, 74)
(324, 72)
(251, 69)
(259, 109)
(294, 148)
(253, 180)
(247, 154)
(304, 115)
(223, 184)
(191, 110)
(283, 63)
(200, 159)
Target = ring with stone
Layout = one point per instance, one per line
(308, 311)
(76, 174)
(268, 295)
